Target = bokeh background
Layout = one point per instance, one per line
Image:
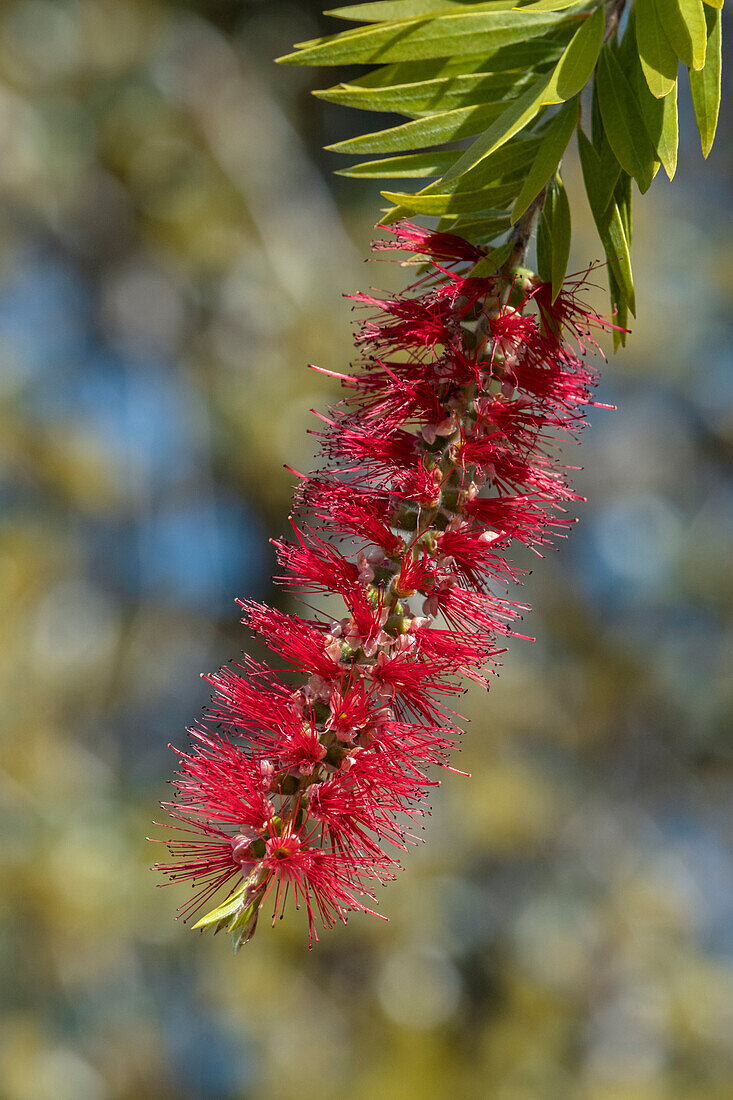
(173, 251)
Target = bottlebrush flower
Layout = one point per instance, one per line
(441, 455)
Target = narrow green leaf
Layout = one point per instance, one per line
(513, 119)
(549, 153)
(491, 263)
(537, 53)
(553, 236)
(660, 120)
(548, 5)
(608, 220)
(545, 91)
(668, 140)
(462, 32)
(658, 60)
(504, 163)
(561, 235)
(462, 202)
(409, 166)
(616, 246)
(478, 230)
(386, 11)
(392, 215)
(509, 159)
(609, 167)
(659, 115)
(227, 908)
(610, 170)
(622, 121)
(544, 248)
(684, 26)
(599, 180)
(436, 95)
(622, 195)
(705, 85)
(421, 132)
(620, 308)
(576, 65)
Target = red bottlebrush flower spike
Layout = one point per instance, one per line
(442, 454)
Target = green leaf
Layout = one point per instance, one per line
(436, 95)
(486, 198)
(491, 263)
(226, 910)
(513, 119)
(668, 139)
(659, 115)
(478, 230)
(385, 11)
(684, 26)
(561, 236)
(622, 194)
(550, 151)
(609, 167)
(421, 132)
(409, 166)
(622, 121)
(621, 311)
(616, 247)
(462, 32)
(660, 120)
(591, 166)
(544, 250)
(546, 90)
(392, 215)
(553, 236)
(608, 220)
(705, 85)
(506, 161)
(537, 53)
(548, 5)
(714, 3)
(600, 170)
(575, 67)
(658, 60)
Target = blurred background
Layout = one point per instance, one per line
(173, 251)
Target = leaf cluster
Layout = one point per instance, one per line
(493, 92)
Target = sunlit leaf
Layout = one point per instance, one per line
(553, 236)
(478, 229)
(544, 91)
(622, 121)
(549, 5)
(684, 26)
(658, 60)
(513, 119)
(224, 911)
(495, 259)
(705, 85)
(660, 120)
(463, 32)
(462, 202)
(548, 157)
(575, 67)
(437, 95)
(409, 166)
(421, 132)
(506, 160)
(608, 221)
(382, 11)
